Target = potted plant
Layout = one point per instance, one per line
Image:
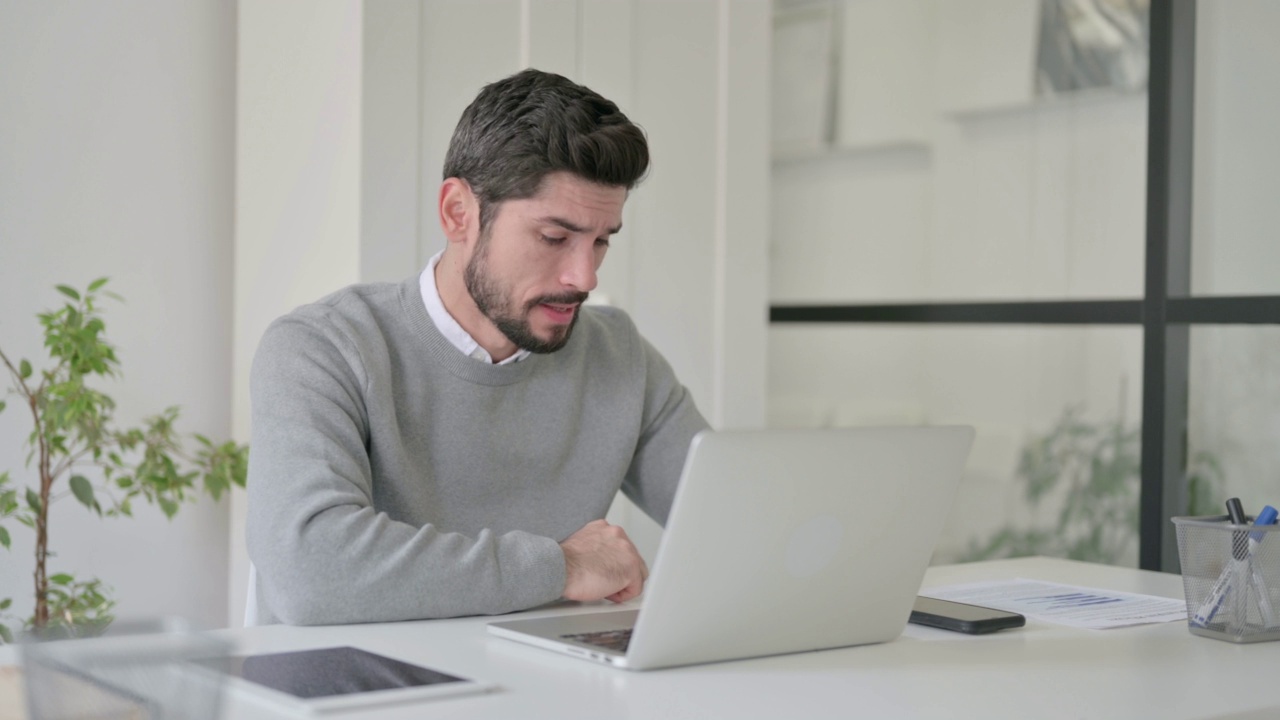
(77, 451)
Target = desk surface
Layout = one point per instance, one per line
(1040, 671)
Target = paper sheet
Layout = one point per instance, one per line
(1081, 607)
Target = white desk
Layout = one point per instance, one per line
(1040, 671)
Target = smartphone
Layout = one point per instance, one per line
(961, 617)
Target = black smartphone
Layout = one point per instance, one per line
(961, 617)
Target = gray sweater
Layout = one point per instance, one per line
(392, 477)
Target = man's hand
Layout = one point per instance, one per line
(600, 562)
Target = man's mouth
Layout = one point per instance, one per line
(560, 312)
(561, 309)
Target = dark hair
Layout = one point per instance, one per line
(524, 127)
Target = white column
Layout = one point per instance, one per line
(390, 131)
(298, 184)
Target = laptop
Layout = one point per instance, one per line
(779, 541)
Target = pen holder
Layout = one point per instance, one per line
(136, 671)
(1231, 578)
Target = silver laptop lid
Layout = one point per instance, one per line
(791, 540)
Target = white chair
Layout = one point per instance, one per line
(251, 602)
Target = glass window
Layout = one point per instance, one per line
(966, 161)
(1237, 149)
(1233, 421)
(1054, 468)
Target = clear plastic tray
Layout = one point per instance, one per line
(133, 671)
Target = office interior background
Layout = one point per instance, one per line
(225, 162)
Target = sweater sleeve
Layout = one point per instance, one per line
(323, 553)
(670, 422)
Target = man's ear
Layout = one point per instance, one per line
(459, 211)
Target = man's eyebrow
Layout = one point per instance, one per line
(573, 227)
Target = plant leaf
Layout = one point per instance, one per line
(24, 369)
(83, 491)
(69, 292)
(5, 603)
(2, 406)
(4, 540)
(97, 284)
(6, 635)
(61, 579)
(33, 501)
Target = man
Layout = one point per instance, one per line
(450, 444)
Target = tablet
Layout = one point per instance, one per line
(337, 679)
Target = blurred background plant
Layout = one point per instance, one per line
(1093, 469)
(75, 450)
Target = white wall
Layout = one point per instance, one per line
(116, 137)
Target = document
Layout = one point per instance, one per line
(1071, 605)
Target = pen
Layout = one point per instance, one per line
(1239, 567)
(1266, 517)
(1239, 540)
(1222, 588)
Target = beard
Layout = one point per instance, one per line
(494, 302)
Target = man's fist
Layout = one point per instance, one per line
(601, 562)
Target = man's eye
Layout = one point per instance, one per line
(602, 242)
(553, 240)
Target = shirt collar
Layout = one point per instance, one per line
(449, 327)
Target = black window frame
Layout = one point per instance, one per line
(1167, 309)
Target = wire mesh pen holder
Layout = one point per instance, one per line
(1231, 578)
(135, 671)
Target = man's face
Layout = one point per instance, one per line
(535, 263)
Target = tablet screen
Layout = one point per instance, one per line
(329, 672)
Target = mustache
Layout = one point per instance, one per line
(571, 298)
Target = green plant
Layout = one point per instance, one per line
(1093, 470)
(75, 450)
(1205, 480)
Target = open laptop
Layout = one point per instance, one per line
(779, 541)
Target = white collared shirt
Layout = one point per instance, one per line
(449, 327)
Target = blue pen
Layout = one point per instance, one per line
(1266, 517)
(1242, 551)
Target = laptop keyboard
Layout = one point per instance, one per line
(611, 639)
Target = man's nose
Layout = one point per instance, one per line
(579, 270)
